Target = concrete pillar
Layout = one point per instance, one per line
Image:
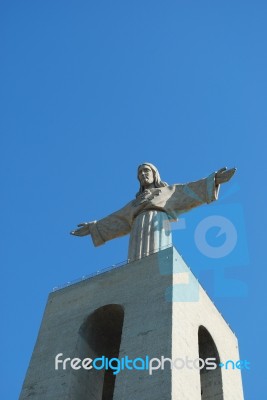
(151, 307)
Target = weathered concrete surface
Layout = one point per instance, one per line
(187, 317)
(154, 325)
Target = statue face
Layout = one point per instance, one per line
(145, 176)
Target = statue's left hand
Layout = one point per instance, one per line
(224, 175)
(84, 229)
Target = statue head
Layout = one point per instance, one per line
(148, 176)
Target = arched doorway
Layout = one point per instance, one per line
(211, 380)
(99, 335)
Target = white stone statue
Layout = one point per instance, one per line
(147, 218)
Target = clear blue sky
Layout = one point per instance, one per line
(90, 89)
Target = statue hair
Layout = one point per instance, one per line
(157, 181)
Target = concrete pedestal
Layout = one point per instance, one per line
(152, 307)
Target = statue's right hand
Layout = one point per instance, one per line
(84, 229)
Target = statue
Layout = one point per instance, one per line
(147, 218)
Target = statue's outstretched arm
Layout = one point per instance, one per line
(110, 227)
(83, 230)
(224, 175)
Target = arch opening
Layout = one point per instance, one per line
(100, 335)
(210, 379)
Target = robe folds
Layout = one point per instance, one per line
(147, 218)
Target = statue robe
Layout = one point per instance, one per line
(148, 217)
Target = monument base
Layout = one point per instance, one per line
(143, 313)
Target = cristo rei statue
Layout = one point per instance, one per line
(147, 218)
